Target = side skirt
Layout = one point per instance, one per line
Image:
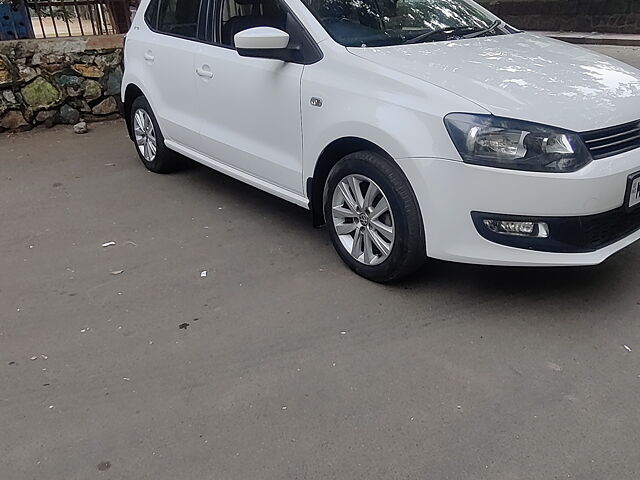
(280, 192)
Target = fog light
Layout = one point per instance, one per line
(521, 229)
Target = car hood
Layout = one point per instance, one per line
(524, 76)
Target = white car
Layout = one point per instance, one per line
(412, 128)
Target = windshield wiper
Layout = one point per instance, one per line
(469, 32)
(484, 31)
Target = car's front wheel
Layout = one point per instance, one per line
(373, 217)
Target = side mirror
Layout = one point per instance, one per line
(265, 42)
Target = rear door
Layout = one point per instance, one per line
(250, 107)
(167, 54)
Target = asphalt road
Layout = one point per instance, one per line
(280, 363)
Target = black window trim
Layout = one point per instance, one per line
(204, 7)
(215, 7)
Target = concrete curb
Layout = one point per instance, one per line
(580, 38)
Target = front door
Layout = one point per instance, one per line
(250, 107)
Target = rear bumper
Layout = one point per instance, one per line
(585, 211)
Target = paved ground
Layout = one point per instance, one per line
(287, 366)
(630, 55)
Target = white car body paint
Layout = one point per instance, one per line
(261, 38)
(524, 76)
(239, 121)
(271, 135)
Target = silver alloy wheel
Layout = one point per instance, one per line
(363, 219)
(145, 135)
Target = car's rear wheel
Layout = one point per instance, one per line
(373, 217)
(149, 140)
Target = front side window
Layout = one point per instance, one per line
(362, 23)
(179, 17)
(239, 15)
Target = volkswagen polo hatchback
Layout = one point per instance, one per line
(411, 128)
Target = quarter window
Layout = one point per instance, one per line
(151, 15)
(179, 17)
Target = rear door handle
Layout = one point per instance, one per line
(204, 72)
(148, 56)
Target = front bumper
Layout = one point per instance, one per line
(585, 209)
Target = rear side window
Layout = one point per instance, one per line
(177, 17)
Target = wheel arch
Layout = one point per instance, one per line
(131, 93)
(329, 156)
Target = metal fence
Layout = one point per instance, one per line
(15, 21)
(72, 18)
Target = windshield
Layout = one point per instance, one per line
(368, 23)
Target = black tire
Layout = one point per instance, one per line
(165, 160)
(408, 251)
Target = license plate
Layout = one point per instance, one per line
(634, 191)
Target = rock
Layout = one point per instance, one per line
(36, 59)
(27, 73)
(53, 68)
(113, 82)
(69, 114)
(80, 104)
(80, 128)
(89, 71)
(6, 77)
(109, 60)
(28, 114)
(45, 115)
(41, 94)
(92, 90)
(13, 120)
(74, 91)
(54, 58)
(9, 96)
(52, 120)
(54, 64)
(88, 59)
(69, 81)
(105, 107)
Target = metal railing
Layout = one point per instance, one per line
(72, 18)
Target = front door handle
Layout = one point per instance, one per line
(148, 56)
(204, 72)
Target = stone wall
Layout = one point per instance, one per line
(604, 16)
(59, 81)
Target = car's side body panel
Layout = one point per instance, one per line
(163, 67)
(241, 175)
(249, 115)
(396, 112)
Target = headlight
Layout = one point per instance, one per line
(514, 144)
